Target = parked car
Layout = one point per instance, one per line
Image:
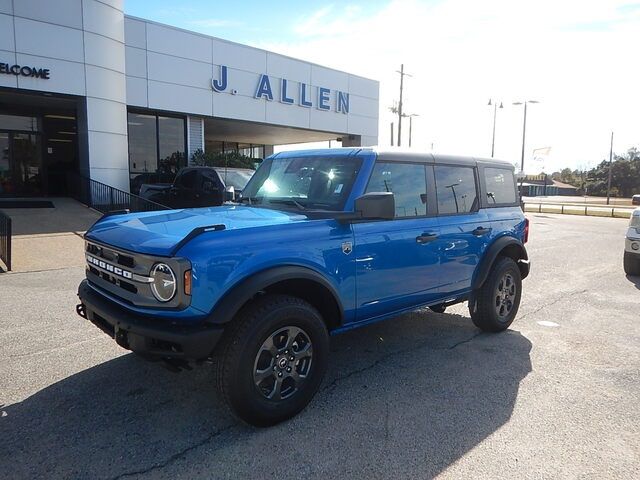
(635, 200)
(632, 245)
(322, 242)
(199, 187)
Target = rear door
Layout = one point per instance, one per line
(397, 260)
(465, 229)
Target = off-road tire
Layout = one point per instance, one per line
(236, 354)
(631, 263)
(486, 305)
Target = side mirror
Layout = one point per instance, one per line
(376, 205)
(230, 193)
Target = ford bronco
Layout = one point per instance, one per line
(320, 242)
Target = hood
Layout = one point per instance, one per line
(158, 233)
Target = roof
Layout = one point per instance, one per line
(402, 155)
(563, 185)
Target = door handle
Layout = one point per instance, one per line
(478, 232)
(426, 237)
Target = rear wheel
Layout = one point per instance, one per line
(497, 301)
(272, 360)
(631, 263)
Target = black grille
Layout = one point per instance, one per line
(111, 255)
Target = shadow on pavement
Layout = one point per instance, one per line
(414, 394)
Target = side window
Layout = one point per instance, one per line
(500, 186)
(455, 189)
(188, 179)
(408, 183)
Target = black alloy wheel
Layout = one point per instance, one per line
(271, 359)
(496, 302)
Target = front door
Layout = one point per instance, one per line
(397, 260)
(20, 164)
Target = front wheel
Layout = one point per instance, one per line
(497, 301)
(272, 360)
(631, 263)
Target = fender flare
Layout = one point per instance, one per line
(483, 269)
(240, 293)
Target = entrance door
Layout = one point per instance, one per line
(20, 165)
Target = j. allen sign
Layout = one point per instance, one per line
(305, 97)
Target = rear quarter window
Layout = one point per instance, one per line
(500, 186)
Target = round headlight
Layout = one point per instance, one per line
(164, 283)
(635, 245)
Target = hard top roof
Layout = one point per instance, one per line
(390, 154)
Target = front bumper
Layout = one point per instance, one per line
(630, 242)
(144, 334)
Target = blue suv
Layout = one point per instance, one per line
(321, 242)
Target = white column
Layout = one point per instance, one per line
(106, 107)
(195, 136)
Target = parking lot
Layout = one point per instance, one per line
(421, 396)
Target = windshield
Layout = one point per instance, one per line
(322, 182)
(235, 178)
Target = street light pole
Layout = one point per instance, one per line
(610, 161)
(411, 125)
(524, 134)
(493, 137)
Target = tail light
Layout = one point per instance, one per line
(526, 230)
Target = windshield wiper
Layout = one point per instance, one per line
(288, 201)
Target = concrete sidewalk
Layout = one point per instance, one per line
(49, 238)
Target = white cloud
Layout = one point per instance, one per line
(576, 57)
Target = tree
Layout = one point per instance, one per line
(220, 159)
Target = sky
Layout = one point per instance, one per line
(579, 59)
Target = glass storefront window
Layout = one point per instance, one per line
(17, 122)
(143, 156)
(156, 148)
(171, 144)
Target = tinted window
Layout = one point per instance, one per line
(188, 179)
(500, 185)
(408, 183)
(456, 189)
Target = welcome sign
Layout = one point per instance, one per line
(305, 95)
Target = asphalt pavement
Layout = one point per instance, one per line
(423, 395)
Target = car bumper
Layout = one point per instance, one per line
(146, 335)
(630, 243)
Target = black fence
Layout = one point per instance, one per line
(5, 240)
(105, 198)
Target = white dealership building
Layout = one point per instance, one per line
(123, 100)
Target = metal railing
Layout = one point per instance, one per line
(616, 211)
(5, 240)
(105, 198)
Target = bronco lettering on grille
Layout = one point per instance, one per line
(108, 267)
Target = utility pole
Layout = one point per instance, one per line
(610, 161)
(392, 134)
(402, 75)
